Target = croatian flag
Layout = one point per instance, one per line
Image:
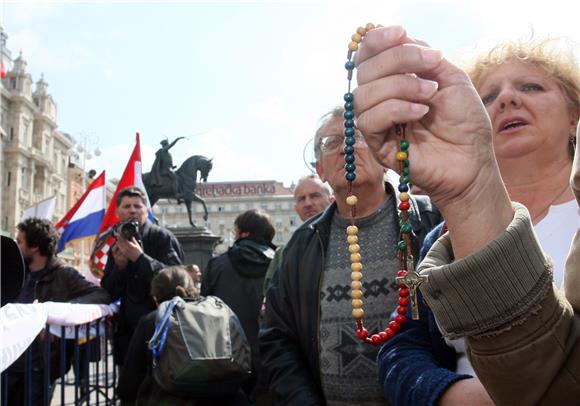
(84, 219)
(132, 176)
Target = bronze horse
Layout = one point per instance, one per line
(186, 181)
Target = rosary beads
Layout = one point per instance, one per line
(407, 278)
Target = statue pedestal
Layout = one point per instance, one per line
(198, 244)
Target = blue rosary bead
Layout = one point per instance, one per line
(349, 150)
(349, 141)
(349, 123)
(349, 65)
(350, 176)
(348, 97)
(350, 167)
(348, 115)
(348, 106)
(349, 132)
(349, 158)
(403, 188)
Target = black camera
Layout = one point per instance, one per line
(128, 229)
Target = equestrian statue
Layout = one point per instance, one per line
(163, 182)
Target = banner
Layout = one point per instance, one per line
(42, 210)
(20, 323)
(85, 217)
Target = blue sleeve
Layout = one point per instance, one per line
(415, 366)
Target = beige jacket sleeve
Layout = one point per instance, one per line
(523, 336)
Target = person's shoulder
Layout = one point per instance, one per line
(218, 262)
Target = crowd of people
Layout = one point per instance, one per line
(492, 146)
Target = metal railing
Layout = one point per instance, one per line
(34, 379)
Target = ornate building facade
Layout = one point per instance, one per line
(226, 200)
(35, 155)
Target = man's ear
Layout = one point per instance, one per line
(244, 234)
(320, 171)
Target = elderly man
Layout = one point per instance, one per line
(307, 341)
(311, 196)
(133, 264)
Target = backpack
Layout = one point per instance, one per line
(199, 348)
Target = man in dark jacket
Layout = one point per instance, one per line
(308, 344)
(133, 264)
(237, 276)
(47, 279)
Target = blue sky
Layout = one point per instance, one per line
(245, 82)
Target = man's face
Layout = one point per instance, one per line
(27, 252)
(132, 208)
(330, 166)
(310, 198)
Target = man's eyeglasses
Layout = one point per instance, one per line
(331, 143)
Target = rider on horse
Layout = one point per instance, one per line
(162, 169)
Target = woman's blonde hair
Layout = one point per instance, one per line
(173, 281)
(555, 56)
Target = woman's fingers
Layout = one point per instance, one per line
(403, 87)
(401, 59)
(379, 40)
(376, 121)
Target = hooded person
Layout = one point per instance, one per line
(237, 277)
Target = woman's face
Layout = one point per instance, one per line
(528, 111)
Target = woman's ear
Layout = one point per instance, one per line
(156, 301)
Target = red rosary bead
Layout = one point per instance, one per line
(401, 273)
(404, 205)
(389, 333)
(400, 319)
(402, 310)
(362, 334)
(394, 326)
(376, 339)
(403, 292)
(404, 301)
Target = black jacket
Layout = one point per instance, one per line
(60, 283)
(237, 277)
(289, 342)
(133, 284)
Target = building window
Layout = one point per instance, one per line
(11, 133)
(280, 237)
(264, 206)
(235, 208)
(13, 83)
(278, 223)
(292, 220)
(8, 178)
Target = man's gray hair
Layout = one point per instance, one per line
(337, 111)
(325, 186)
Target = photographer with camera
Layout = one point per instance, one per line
(141, 250)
